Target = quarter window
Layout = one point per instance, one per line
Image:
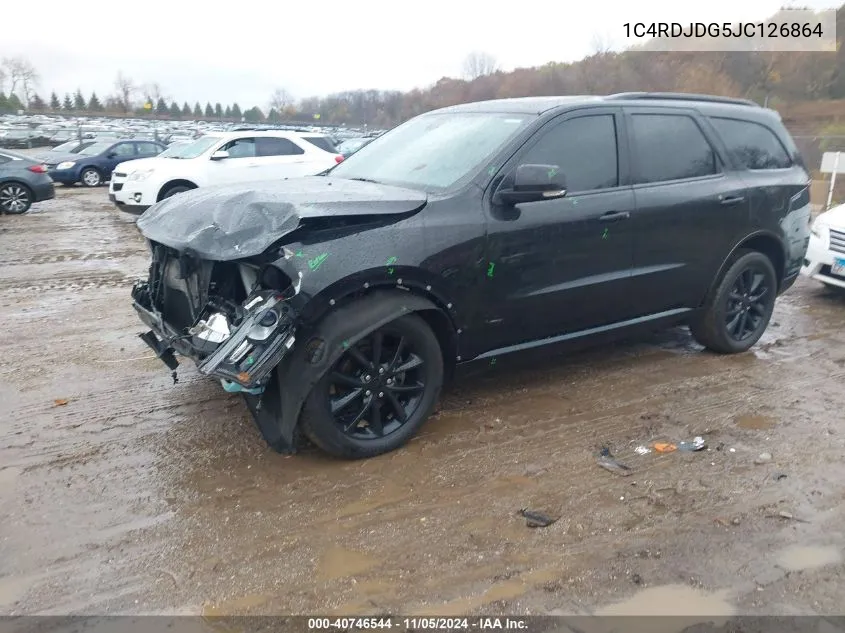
(752, 145)
(276, 146)
(670, 147)
(585, 150)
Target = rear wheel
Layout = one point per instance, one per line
(15, 198)
(738, 311)
(378, 393)
(91, 177)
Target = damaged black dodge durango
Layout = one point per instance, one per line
(338, 304)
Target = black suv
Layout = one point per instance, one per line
(338, 304)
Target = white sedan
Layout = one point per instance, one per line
(825, 259)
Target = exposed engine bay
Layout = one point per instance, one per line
(233, 319)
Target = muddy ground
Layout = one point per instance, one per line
(138, 495)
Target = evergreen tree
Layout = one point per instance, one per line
(175, 111)
(37, 103)
(227, 114)
(94, 104)
(197, 110)
(254, 115)
(218, 110)
(186, 111)
(68, 104)
(209, 111)
(15, 103)
(4, 103)
(78, 101)
(236, 112)
(273, 116)
(55, 104)
(161, 106)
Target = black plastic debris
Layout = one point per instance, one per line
(536, 519)
(608, 462)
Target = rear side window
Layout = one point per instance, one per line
(752, 145)
(322, 142)
(585, 150)
(124, 149)
(670, 147)
(275, 146)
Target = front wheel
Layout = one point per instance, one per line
(90, 177)
(174, 190)
(378, 393)
(15, 198)
(737, 313)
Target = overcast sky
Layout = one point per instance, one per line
(212, 52)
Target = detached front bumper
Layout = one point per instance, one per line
(245, 357)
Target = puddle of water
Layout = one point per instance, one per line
(507, 590)
(338, 562)
(754, 422)
(801, 557)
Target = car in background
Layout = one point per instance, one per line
(352, 145)
(71, 147)
(22, 182)
(118, 176)
(16, 138)
(825, 259)
(223, 158)
(93, 165)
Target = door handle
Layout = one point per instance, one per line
(613, 216)
(728, 200)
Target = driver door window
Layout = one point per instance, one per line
(240, 148)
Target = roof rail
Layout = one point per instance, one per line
(681, 96)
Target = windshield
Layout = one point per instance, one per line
(93, 150)
(192, 150)
(174, 148)
(433, 151)
(352, 145)
(65, 148)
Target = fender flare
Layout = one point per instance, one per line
(316, 351)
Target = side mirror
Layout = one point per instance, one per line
(532, 183)
(220, 155)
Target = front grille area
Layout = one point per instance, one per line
(825, 270)
(118, 186)
(837, 241)
(117, 174)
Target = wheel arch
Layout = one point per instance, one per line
(176, 182)
(763, 242)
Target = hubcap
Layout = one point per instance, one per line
(91, 178)
(376, 386)
(747, 305)
(14, 198)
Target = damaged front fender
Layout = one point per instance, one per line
(276, 411)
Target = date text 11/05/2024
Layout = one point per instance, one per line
(726, 29)
(419, 624)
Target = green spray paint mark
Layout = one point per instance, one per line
(490, 269)
(492, 361)
(250, 360)
(574, 202)
(552, 173)
(492, 170)
(299, 254)
(604, 235)
(345, 344)
(389, 263)
(315, 263)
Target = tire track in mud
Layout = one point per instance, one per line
(59, 256)
(74, 281)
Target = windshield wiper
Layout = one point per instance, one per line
(366, 180)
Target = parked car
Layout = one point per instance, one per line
(221, 158)
(22, 182)
(93, 165)
(352, 145)
(825, 259)
(339, 304)
(16, 138)
(70, 147)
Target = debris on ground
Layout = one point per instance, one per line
(763, 458)
(60, 402)
(783, 514)
(697, 444)
(642, 450)
(664, 447)
(536, 519)
(608, 462)
(636, 579)
(779, 476)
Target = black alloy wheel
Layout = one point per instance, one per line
(747, 304)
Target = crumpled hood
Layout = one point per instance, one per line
(228, 222)
(127, 167)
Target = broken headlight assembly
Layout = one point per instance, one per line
(245, 347)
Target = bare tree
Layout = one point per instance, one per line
(126, 90)
(155, 92)
(477, 64)
(280, 99)
(22, 74)
(2, 80)
(601, 44)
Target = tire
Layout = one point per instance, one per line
(91, 177)
(174, 190)
(15, 198)
(352, 432)
(737, 312)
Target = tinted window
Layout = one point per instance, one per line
(241, 148)
(584, 149)
(752, 145)
(322, 142)
(670, 147)
(123, 150)
(274, 146)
